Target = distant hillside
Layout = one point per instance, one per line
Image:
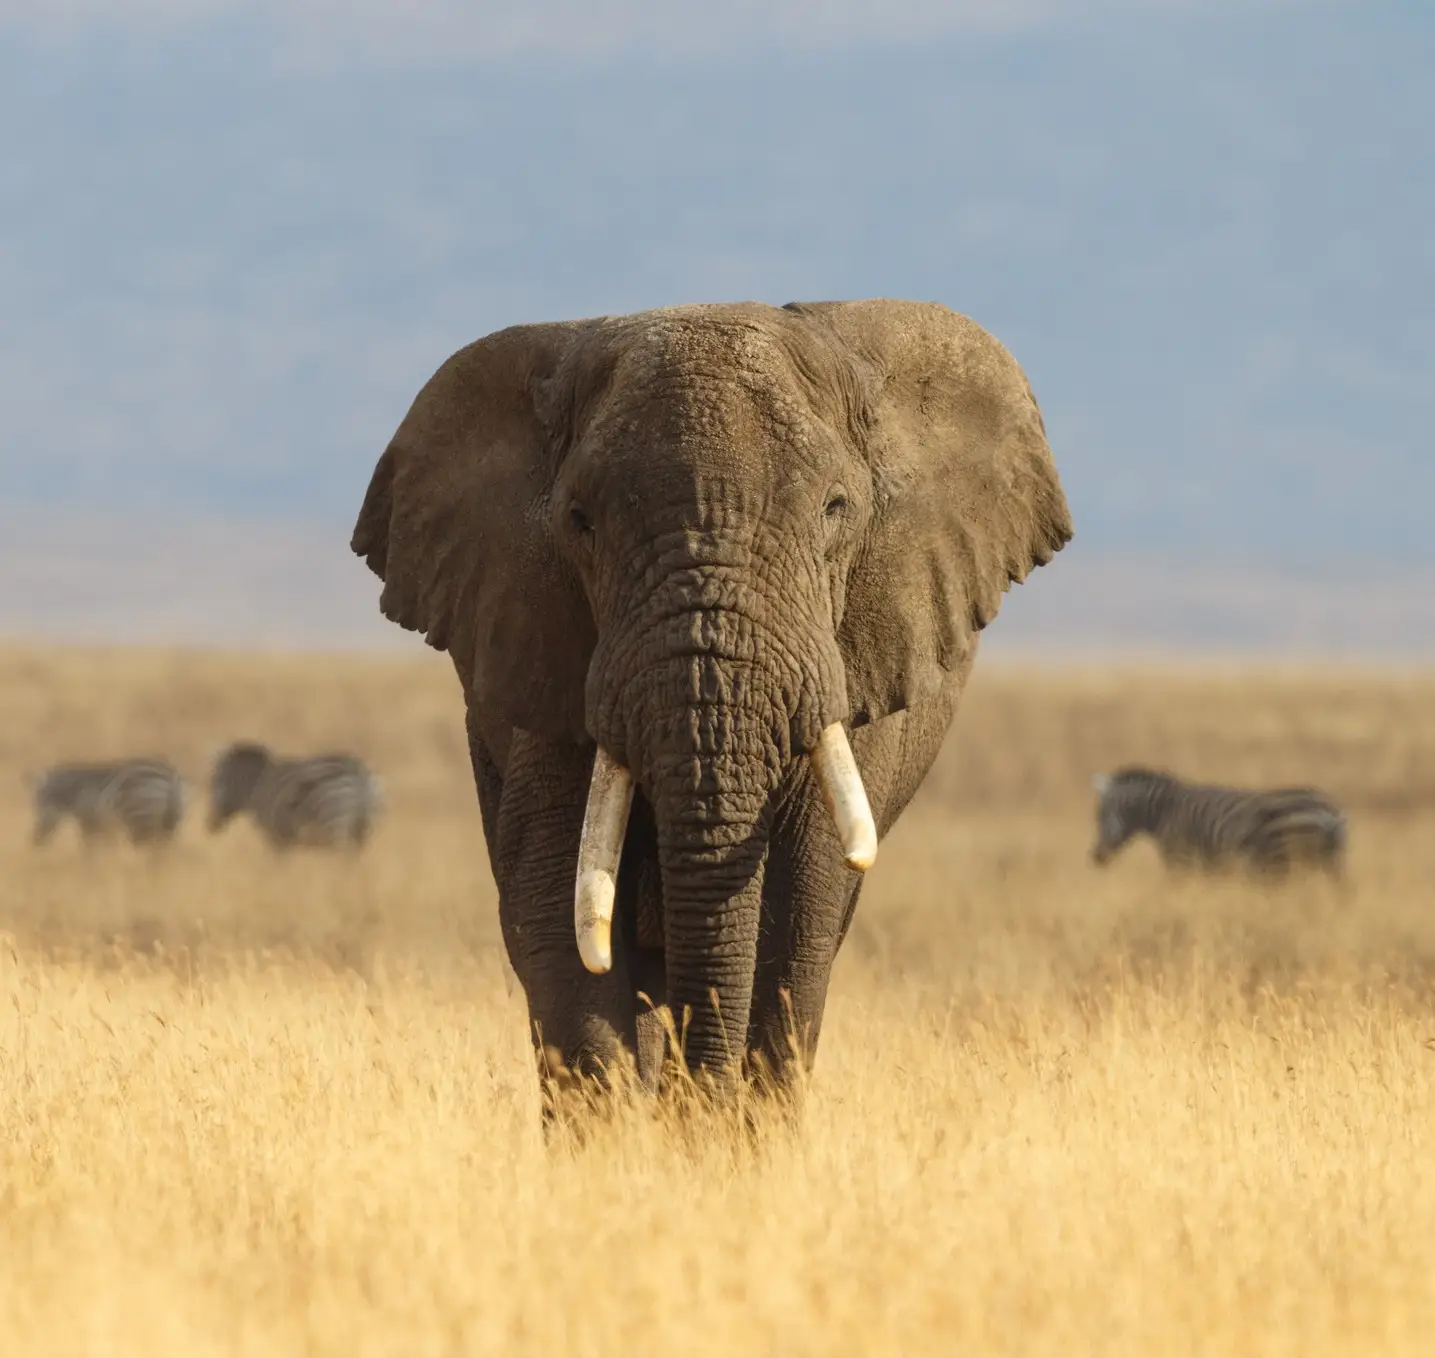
(1161, 603)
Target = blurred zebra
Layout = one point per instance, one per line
(329, 800)
(145, 799)
(1199, 825)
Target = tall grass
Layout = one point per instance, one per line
(277, 1106)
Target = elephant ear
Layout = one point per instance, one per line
(967, 499)
(456, 524)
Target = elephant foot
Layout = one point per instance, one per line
(576, 1099)
(654, 1025)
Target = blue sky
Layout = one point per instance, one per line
(234, 240)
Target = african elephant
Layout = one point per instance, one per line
(675, 557)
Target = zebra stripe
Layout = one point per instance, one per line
(1200, 825)
(144, 799)
(324, 800)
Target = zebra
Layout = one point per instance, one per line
(143, 798)
(328, 800)
(1200, 825)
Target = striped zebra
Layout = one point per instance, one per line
(329, 800)
(144, 799)
(1199, 825)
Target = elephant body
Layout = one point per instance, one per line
(699, 546)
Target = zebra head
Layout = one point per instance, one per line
(1125, 809)
(236, 774)
(1108, 837)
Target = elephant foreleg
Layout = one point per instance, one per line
(808, 899)
(583, 1025)
(652, 1030)
(488, 779)
(811, 896)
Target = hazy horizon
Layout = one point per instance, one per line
(214, 581)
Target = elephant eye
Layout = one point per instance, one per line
(580, 519)
(836, 503)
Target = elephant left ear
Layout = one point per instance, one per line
(967, 498)
(455, 522)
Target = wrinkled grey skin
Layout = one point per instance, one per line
(698, 536)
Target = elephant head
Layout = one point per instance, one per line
(708, 539)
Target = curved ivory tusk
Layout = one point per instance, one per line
(605, 822)
(845, 796)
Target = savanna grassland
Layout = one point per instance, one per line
(252, 1106)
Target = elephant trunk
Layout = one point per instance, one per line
(710, 772)
(712, 820)
(713, 808)
(712, 798)
(605, 823)
(708, 724)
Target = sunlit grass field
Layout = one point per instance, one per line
(261, 1106)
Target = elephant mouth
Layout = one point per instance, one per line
(605, 823)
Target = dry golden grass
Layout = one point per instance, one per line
(260, 1107)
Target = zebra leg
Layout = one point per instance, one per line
(153, 834)
(1337, 874)
(358, 834)
(1273, 874)
(1176, 864)
(47, 819)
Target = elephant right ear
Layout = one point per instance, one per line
(456, 524)
(967, 497)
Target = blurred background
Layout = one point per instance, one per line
(236, 238)
(283, 1102)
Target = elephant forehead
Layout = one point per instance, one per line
(714, 372)
(703, 447)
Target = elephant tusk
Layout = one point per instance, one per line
(605, 822)
(846, 798)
